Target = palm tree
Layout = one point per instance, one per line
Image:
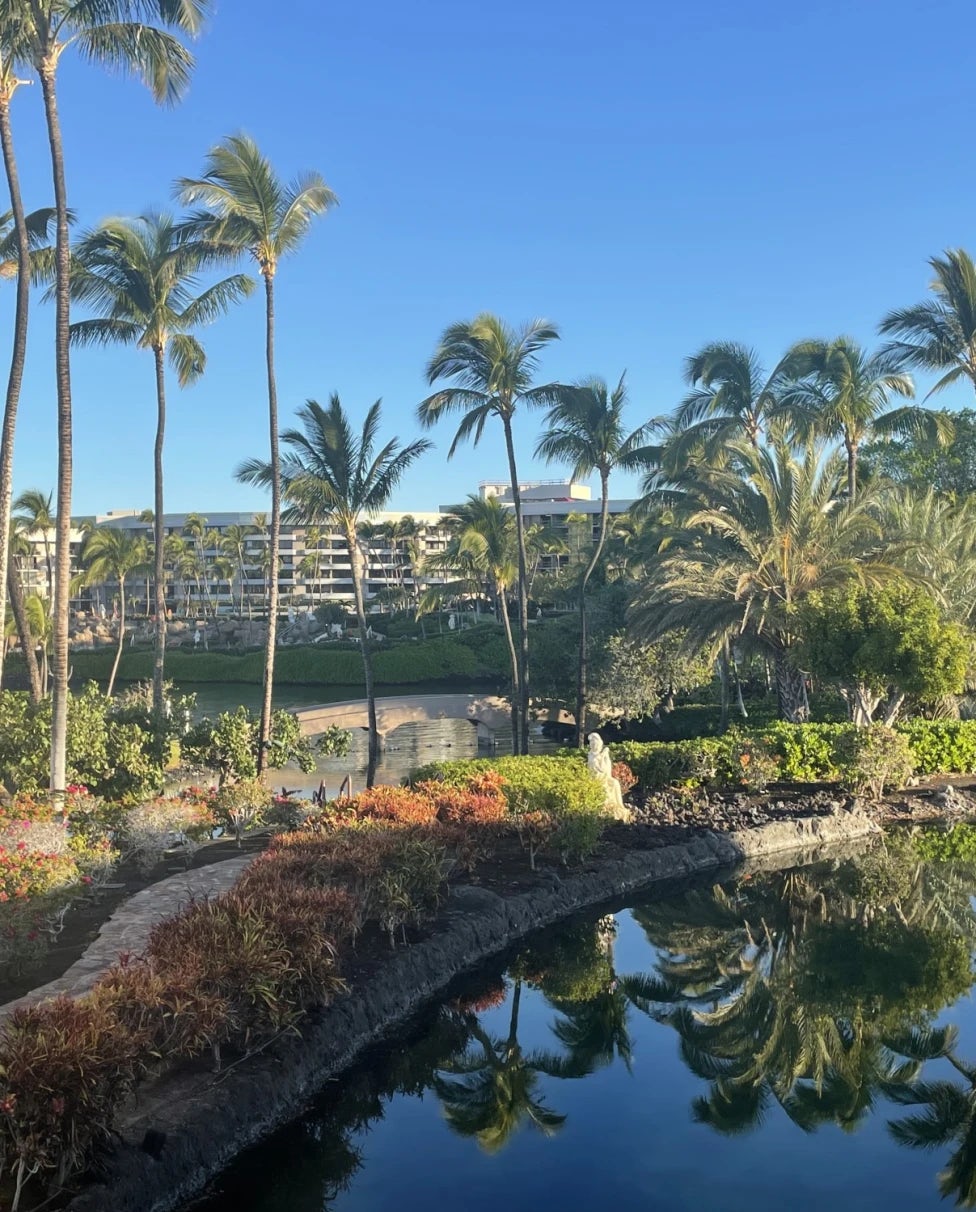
(732, 398)
(492, 367)
(19, 549)
(113, 33)
(749, 540)
(20, 233)
(111, 554)
(940, 333)
(33, 516)
(251, 212)
(585, 429)
(485, 547)
(331, 475)
(234, 543)
(846, 396)
(141, 282)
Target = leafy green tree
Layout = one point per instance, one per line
(250, 212)
(847, 393)
(133, 36)
(585, 428)
(111, 554)
(141, 281)
(492, 367)
(634, 679)
(882, 644)
(915, 462)
(940, 333)
(329, 474)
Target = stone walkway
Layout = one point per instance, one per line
(128, 927)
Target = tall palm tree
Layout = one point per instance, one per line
(33, 510)
(111, 554)
(731, 398)
(484, 544)
(940, 333)
(749, 540)
(141, 282)
(846, 395)
(250, 211)
(585, 428)
(234, 543)
(492, 366)
(115, 34)
(330, 474)
(20, 233)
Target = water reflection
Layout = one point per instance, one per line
(797, 1000)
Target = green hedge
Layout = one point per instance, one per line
(806, 753)
(440, 659)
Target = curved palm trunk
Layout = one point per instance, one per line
(18, 358)
(118, 651)
(507, 622)
(159, 658)
(272, 637)
(19, 609)
(523, 596)
(356, 564)
(62, 332)
(594, 560)
(851, 469)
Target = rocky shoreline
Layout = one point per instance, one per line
(182, 1131)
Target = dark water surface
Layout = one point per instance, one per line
(790, 1040)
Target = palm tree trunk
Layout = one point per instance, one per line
(594, 560)
(507, 622)
(159, 659)
(523, 595)
(118, 651)
(19, 355)
(62, 364)
(791, 690)
(851, 470)
(272, 637)
(17, 605)
(356, 564)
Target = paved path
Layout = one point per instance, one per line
(128, 927)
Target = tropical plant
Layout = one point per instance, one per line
(940, 332)
(20, 549)
(249, 211)
(330, 474)
(112, 554)
(492, 367)
(141, 282)
(846, 394)
(119, 34)
(33, 516)
(750, 540)
(585, 429)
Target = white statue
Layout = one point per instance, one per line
(601, 766)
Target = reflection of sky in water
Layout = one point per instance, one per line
(387, 1137)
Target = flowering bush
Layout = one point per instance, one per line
(28, 873)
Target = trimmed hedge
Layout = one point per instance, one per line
(805, 753)
(440, 659)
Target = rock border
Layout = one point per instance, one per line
(198, 1126)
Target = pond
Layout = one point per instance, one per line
(801, 1039)
(408, 746)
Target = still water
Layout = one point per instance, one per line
(804, 1040)
(407, 747)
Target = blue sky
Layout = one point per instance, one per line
(649, 176)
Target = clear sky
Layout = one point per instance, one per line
(649, 176)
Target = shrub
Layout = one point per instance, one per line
(752, 763)
(67, 1064)
(399, 804)
(624, 776)
(942, 746)
(25, 874)
(241, 805)
(876, 757)
(166, 821)
(954, 845)
(481, 801)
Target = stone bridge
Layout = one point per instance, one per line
(488, 711)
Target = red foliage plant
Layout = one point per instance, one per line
(398, 804)
(624, 776)
(480, 803)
